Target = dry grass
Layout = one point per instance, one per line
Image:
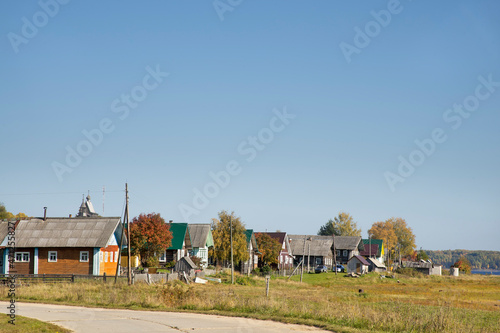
(425, 304)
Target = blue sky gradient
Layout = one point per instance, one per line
(352, 119)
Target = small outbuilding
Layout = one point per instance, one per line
(375, 266)
(185, 264)
(357, 264)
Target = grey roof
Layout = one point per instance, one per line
(4, 229)
(199, 234)
(415, 264)
(66, 232)
(321, 245)
(375, 262)
(318, 245)
(347, 242)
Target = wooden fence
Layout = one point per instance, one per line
(53, 278)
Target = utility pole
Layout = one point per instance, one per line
(128, 239)
(308, 256)
(120, 248)
(303, 257)
(370, 244)
(334, 250)
(232, 261)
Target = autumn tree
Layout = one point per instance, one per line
(385, 232)
(149, 237)
(221, 233)
(421, 255)
(396, 234)
(463, 264)
(341, 225)
(4, 214)
(406, 238)
(269, 248)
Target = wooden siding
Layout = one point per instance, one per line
(68, 261)
(24, 267)
(108, 260)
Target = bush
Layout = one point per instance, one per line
(463, 264)
(152, 262)
(245, 281)
(266, 270)
(409, 272)
(170, 264)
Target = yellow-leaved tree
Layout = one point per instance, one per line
(221, 233)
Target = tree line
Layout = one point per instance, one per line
(477, 259)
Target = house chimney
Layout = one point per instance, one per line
(44, 213)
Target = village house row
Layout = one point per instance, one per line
(88, 244)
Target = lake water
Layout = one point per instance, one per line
(485, 271)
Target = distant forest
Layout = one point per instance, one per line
(478, 259)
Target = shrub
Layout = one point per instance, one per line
(463, 264)
(152, 262)
(409, 272)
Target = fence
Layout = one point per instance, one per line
(54, 278)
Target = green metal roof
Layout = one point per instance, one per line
(179, 231)
(379, 242)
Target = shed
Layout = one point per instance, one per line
(357, 264)
(375, 265)
(185, 264)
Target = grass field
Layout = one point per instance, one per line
(405, 304)
(28, 325)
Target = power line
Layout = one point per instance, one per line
(54, 193)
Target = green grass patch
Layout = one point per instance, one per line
(28, 325)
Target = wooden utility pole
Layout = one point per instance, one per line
(128, 239)
(232, 258)
(334, 251)
(121, 246)
(303, 257)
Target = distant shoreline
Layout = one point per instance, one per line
(486, 271)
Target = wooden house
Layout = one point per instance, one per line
(315, 250)
(347, 247)
(86, 245)
(357, 264)
(181, 243)
(201, 241)
(249, 265)
(373, 248)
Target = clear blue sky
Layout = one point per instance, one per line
(69, 68)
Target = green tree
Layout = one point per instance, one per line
(421, 255)
(149, 237)
(222, 240)
(341, 225)
(269, 248)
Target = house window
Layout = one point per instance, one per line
(22, 256)
(105, 256)
(338, 253)
(101, 256)
(318, 261)
(163, 257)
(84, 256)
(111, 256)
(116, 256)
(345, 253)
(52, 256)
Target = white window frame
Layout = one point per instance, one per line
(105, 256)
(163, 257)
(338, 253)
(81, 256)
(346, 253)
(50, 253)
(22, 254)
